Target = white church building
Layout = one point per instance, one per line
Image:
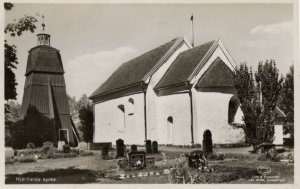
(171, 94)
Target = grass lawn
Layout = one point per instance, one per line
(92, 169)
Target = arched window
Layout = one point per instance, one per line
(121, 125)
(130, 106)
(170, 119)
(170, 130)
(232, 108)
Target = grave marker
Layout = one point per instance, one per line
(120, 148)
(133, 148)
(207, 142)
(155, 147)
(148, 147)
(137, 159)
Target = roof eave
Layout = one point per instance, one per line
(94, 96)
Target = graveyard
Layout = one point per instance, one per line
(153, 163)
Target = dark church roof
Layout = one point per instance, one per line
(217, 75)
(44, 58)
(133, 71)
(183, 66)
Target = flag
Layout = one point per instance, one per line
(192, 17)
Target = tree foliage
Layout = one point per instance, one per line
(75, 107)
(34, 128)
(14, 111)
(86, 122)
(16, 28)
(286, 102)
(10, 62)
(259, 116)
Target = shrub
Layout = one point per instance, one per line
(271, 154)
(27, 152)
(215, 156)
(291, 156)
(280, 150)
(75, 150)
(86, 153)
(48, 143)
(181, 173)
(30, 145)
(63, 155)
(47, 151)
(25, 159)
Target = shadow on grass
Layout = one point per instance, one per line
(56, 176)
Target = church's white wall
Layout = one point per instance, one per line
(154, 105)
(211, 112)
(178, 107)
(278, 134)
(110, 124)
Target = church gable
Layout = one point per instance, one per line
(218, 75)
(184, 65)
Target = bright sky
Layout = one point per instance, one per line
(95, 39)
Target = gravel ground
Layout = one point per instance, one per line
(94, 163)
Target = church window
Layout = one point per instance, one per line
(130, 106)
(121, 125)
(170, 130)
(232, 108)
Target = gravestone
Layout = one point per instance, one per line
(155, 147)
(137, 159)
(9, 153)
(60, 145)
(104, 152)
(82, 146)
(120, 148)
(207, 144)
(66, 148)
(133, 148)
(148, 147)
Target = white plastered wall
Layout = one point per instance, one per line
(278, 134)
(159, 107)
(178, 107)
(211, 110)
(111, 123)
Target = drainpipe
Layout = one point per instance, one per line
(192, 111)
(145, 109)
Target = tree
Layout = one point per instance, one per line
(14, 113)
(86, 122)
(34, 128)
(286, 102)
(258, 116)
(26, 23)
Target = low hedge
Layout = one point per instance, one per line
(25, 159)
(63, 155)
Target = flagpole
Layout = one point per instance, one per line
(192, 25)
